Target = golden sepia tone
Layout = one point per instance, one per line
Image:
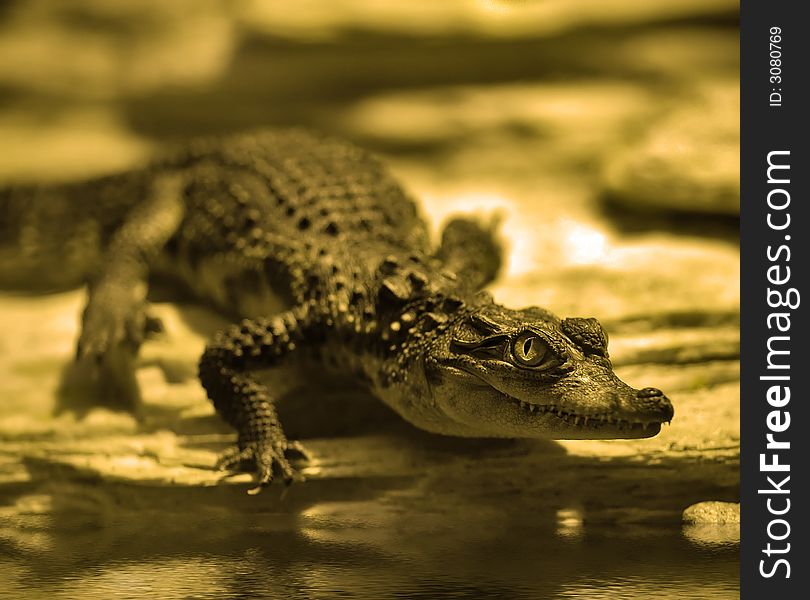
(595, 143)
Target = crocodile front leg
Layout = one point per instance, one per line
(114, 321)
(470, 248)
(246, 404)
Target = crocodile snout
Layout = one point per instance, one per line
(652, 401)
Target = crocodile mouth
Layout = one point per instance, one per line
(590, 421)
(609, 421)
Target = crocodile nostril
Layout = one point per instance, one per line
(654, 400)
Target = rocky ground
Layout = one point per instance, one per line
(610, 154)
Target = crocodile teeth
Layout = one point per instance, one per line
(595, 420)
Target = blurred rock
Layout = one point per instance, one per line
(497, 18)
(712, 512)
(94, 49)
(624, 281)
(687, 161)
(712, 523)
(135, 47)
(70, 143)
(687, 54)
(677, 346)
(577, 119)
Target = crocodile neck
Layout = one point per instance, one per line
(417, 303)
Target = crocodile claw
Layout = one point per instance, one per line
(264, 458)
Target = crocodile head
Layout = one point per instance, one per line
(526, 373)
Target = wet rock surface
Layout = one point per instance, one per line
(712, 512)
(712, 524)
(98, 501)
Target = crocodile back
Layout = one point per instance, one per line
(286, 209)
(305, 185)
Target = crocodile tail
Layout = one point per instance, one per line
(52, 236)
(472, 250)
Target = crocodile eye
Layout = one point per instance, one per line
(529, 350)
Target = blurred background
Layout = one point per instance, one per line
(606, 136)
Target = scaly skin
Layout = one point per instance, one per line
(324, 257)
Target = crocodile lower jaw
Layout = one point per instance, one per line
(591, 421)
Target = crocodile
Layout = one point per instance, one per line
(324, 265)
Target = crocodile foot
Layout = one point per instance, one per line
(264, 458)
(107, 325)
(103, 373)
